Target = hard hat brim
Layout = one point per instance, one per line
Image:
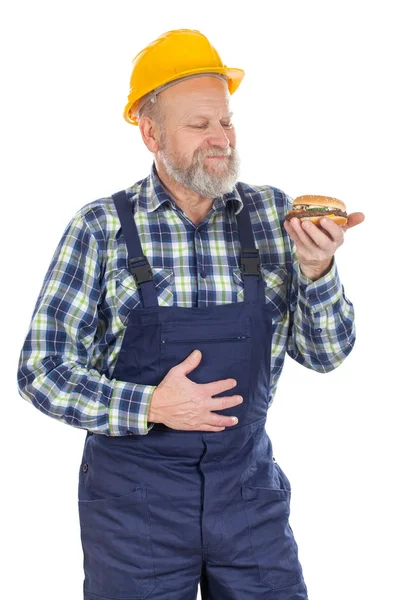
(234, 76)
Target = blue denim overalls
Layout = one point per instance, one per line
(161, 513)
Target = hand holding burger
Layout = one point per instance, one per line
(317, 224)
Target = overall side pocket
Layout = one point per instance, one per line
(116, 542)
(271, 537)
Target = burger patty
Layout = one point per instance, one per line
(315, 213)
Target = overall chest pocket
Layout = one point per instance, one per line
(225, 346)
(275, 280)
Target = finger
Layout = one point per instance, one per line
(289, 228)
(210, 428)
(189, 364)
(326, 233)
(213, 404)
(353, 219)
(292, 232)
(215, 420)
(216, 387)
(300, 231)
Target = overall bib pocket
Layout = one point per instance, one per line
(271, 537)
(226, 351)
(116, 542)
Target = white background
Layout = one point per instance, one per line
(317, 112)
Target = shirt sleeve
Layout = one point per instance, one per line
(55, 372)
(322, 328)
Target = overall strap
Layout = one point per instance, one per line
(249, 254)
(138, 264)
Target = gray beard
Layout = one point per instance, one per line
(197, 178)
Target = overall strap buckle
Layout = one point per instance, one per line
(141, 272)
(250, 264)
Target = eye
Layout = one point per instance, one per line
(203, 126)
(227, 125)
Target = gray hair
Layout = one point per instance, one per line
(152, 108)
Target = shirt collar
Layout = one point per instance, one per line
(153, 194)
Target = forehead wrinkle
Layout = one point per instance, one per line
(194, 96)
(196, 113)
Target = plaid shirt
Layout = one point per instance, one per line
(81, 314)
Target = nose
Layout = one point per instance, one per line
(218, 137)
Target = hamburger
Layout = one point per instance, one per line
(314, 208)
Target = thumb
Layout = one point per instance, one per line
(191, 362)
(353, 220)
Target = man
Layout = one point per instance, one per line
(161, 329)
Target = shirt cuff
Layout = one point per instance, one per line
(321, 294)
(129, 408)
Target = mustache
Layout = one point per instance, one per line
(215, 151)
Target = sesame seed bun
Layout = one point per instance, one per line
(320, 201)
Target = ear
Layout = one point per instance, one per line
(149, 131)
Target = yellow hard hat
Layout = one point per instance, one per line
(174, 55)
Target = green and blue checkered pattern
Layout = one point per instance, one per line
(79, 319)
